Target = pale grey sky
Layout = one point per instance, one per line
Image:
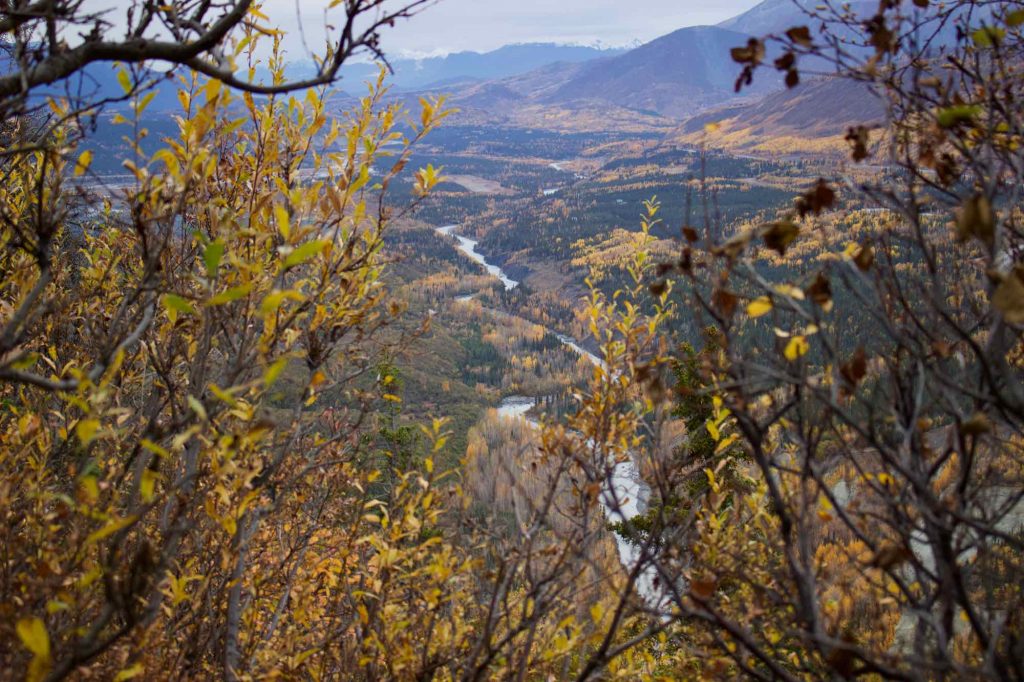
(455, 25)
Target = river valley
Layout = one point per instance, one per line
(625, 494)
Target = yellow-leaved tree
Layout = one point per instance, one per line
(175, 500)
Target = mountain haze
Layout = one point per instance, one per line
(504, 62)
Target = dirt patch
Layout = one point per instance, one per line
(478, 185)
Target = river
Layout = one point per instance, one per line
(626, 496)
(468, 247)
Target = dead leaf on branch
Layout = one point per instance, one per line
(1008, 298)
(779, 235)
(976, 220)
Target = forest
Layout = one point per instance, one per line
(722, 416)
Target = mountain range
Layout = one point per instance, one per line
(461, 67)
(673, 85)
(674, 77)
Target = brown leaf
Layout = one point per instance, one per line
(725, 302)
(690, 234)
(882, 38)
(891, 556)
(686, 261)
(818, 199)
(977, 425)
(733, 246)
(801, 35)
(785, 62)
(820, 292)
(859, 137)
(947, 169)
(976, 219)
(780, 235)
(856, 369)
(942, 348)
(716, 669)
(752, 54)
(703, 588)
(1008, 298)
(865, 258)
(842, 660)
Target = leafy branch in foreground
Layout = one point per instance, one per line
(875, 383)
(173, 498)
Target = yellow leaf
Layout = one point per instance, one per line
(83, 162)
(147, 487)
(109, 529)
(144, 102)
(232, 294)
(32, 632)
(176, 304)
(212, 256)
(212, 89)
(725, 443)
(283, 221)
(759, 306)
(791, 291)
(797, 348)
(197, 407)
(125, 80)
(223, 395)
(275, 298)
(129, 673)
(154, 448)
(56, 605)
(303, 253)
(89, 489)
(86, 430)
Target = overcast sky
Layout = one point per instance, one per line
(455, 25)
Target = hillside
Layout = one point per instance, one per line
(812, 118)
(675, 75)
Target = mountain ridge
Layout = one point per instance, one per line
(810, 119)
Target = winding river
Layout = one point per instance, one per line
(625, 497)
(468, 247)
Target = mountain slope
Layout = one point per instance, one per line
(676, 75)
(811, 118)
